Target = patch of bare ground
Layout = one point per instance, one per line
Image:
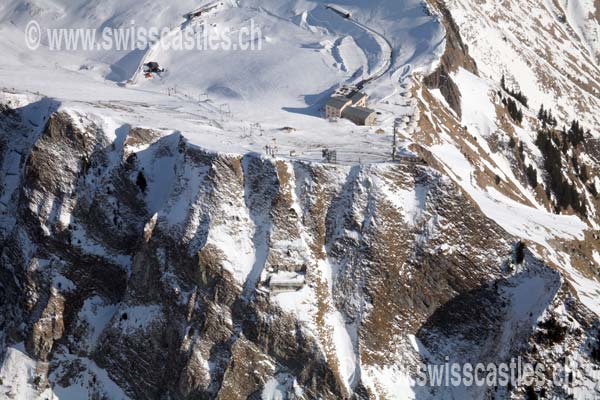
(561, 87)
(285, 187)
(246, 371)
(390, 246)
(414, 268)
(140, 136)
(581, 253)
(507, 127)
(445, 122)
(314, 200)
(324, 329)
(285, 224)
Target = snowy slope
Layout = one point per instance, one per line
(543, 50)
(518, 210)
(547, 50)
(18, 373)
(582, 16)
(307, 52)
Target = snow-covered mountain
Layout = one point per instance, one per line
(183, 237)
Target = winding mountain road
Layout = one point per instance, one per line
(387, 48)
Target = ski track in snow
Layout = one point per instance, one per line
(250, 85)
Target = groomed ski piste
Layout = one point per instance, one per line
(239, 101)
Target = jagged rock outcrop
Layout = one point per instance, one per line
(455, 55)
(162, 289)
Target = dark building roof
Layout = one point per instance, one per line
(338, 102)
(358, 115)
(357, 96)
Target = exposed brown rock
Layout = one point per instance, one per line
(455, 55)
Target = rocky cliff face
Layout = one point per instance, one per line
(134, 264)
(137, 265)
(456, 55)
